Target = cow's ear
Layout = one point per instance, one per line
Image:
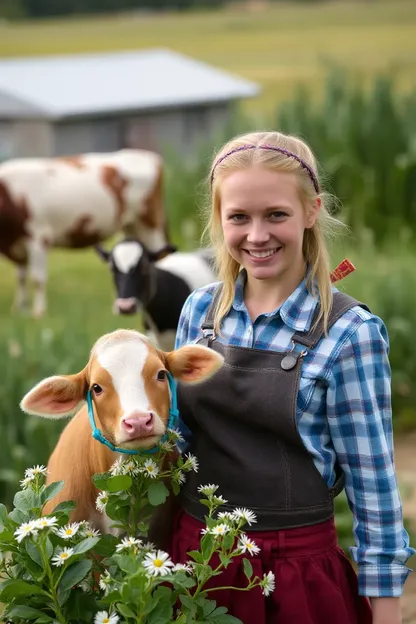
(105, 255)
(193, 363)
(56, 397)
(162, 253)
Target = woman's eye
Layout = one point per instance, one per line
(277, 214)
(96, 389)
(238, 217)
(161, 376)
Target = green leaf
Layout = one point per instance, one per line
(43, 620)
(126, 563)
(33, 552)
(157, 493)
(3, 514)
(125, 610)
(207, 544)
(106, 545)
(18, 516)
(228, 541)
(209, 607)
(225, 560)
(248, 569)
(25, 613)
(26, 500)
(51, 491)
(117, 483)
(196, 556)
(225, 619)
(183, 580)
(65, 507)
(14, 588)
(85, 545)
(188, 603)
(74, 574)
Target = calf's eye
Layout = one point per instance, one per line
(96, 389)
(161, 376)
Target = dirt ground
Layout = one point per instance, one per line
(405, 452)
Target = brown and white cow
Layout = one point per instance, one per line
(75, 202)
(131, 398)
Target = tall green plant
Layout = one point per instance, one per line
(365, 140)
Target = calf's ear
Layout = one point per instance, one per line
(193, 363)
(56, 397)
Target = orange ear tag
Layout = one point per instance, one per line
(342, 270)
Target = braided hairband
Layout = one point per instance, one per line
(305, 165)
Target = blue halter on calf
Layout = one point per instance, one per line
(173, 421)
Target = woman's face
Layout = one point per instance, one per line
(264, 221)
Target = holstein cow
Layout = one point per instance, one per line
(158, 287)
(75, 202)
(130, 385)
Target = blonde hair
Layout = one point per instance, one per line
(315, 249)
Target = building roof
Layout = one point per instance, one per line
(93, 84)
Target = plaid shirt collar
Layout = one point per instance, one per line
(296, 312)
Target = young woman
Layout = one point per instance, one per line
(301, 408)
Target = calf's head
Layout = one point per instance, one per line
(130, 392)
(132, 268)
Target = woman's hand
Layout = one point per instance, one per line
(386, 610)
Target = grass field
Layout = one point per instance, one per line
(277, 47)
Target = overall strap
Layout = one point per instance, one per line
(340, 304)
(208, 324)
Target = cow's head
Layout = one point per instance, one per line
(130, 392)
(132, 268)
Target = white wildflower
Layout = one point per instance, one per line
(61, 556)
(117, 467)
(128, 542)
(35, 471)
(130, 468)
(101, 502)
(208, 490)
(191, 463)
(102, 617)
(68, 531)
(104, 582)
(151, 468)
(27, 482)
(245, 544)
(175, 434)
(185, 567)
(179, 477)
(245, 514)
(86, 530)
(158, 563)
(220, 529)
(268, 584)
(148, 546)
(227, 516)
(27, 528)
(45, 522)
(219, 500)
(166, 446)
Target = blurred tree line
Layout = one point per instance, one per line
(14, 9)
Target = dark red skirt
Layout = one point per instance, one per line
(315, 581)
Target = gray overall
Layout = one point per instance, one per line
(245, 435)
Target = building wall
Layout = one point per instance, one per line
(175, 131)
(26, 138)
(77, 137)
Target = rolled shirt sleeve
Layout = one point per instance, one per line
(360, 421)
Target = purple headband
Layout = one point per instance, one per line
(305, 165)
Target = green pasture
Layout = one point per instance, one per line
(277, 47)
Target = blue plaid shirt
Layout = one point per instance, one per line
(343, 413)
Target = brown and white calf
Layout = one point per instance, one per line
(75, 202)
(131, 400)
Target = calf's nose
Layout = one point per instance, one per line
(138, 424)
(126, 306)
